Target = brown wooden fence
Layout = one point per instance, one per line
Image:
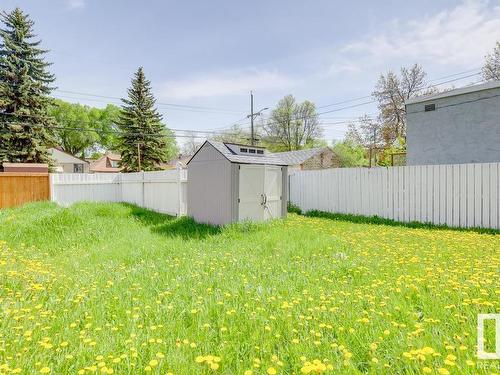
(17, 188)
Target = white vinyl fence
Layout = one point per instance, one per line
(459, 195)
(162, 191)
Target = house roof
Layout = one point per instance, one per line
(182, 159)
(243, 159)
(112, 156)
(460, 91)
(300, 156)
(61, 156)
(101, 165)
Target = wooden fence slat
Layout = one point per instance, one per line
(20, 188)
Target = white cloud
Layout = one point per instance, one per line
(458, 36)
(226, 83)
(75, 4)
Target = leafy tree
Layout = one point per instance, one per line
(350, 154)
(292, 125)
(391, 92)
(191, 145)
(491, 68)
(384, 158)
(365, 132)
(142, 132)
(26, 131)
(98, 125)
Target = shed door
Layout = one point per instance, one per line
(250, 193)
(260, 190)
(272, 192)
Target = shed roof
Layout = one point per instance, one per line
(300, 156)
(271, 159)
(455, 92)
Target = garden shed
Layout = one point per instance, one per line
(229, 182)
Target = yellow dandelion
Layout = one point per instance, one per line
(214, 366)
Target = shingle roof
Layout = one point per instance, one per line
(298, 157)
(271, 159)
(101, 165)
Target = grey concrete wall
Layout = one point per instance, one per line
(209, 187)
(462, 129)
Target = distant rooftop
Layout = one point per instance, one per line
(298, 157)
(455, 92)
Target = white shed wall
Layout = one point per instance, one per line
(209, 187)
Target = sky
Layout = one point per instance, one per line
(204, 57)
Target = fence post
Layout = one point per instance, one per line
(143, 190)
(179, 190)
(51, 187)
(119, 187)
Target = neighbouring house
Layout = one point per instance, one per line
(456, 126)
(312, 158)
(68, 163)
(230, 182)
(180, 161)
(108, 163)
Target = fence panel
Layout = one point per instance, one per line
(17, 188)
(162, 191)
(465, 195)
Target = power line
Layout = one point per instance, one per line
(193, 108)
(96, 130)
(170, 106)
(434, 80)
(158, 103)
(373, 101)
(90, 123)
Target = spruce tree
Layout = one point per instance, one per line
(25, 128)
(141, 130)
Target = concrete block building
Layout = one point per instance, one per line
(456, 126)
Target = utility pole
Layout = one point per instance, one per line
(252, 117)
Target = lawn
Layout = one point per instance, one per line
(112, 288)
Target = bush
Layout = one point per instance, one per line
(294, 209)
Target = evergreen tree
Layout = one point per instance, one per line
(25, 127)
(142, 132)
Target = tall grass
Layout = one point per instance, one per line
(113, 288)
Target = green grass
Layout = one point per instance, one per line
(115, 288)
